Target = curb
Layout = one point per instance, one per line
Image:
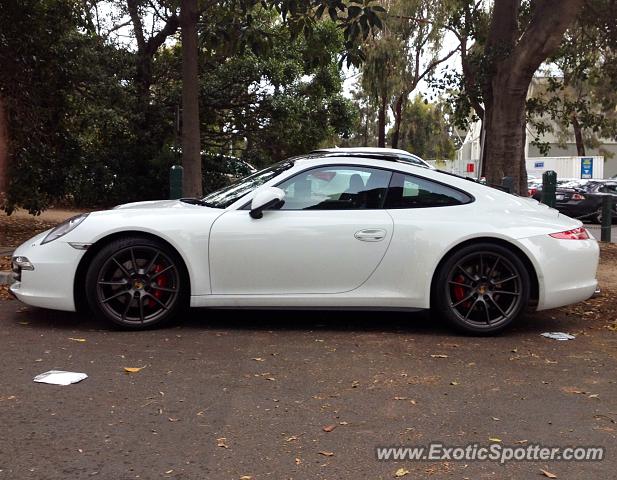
(5, 277)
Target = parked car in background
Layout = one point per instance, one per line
(221, 170)
(582, 199)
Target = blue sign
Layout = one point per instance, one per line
(587, 167)
(538, 165)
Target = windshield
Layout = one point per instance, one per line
(224, 197)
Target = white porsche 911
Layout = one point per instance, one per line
(368, 229)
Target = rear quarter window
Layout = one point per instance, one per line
(409, 191)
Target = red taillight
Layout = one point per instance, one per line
(579, 233)
(532, 191)
(578, 196)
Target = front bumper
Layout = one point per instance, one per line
(50, 283)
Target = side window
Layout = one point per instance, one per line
(336, 188)
(407, 191)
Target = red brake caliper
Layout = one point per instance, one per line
(459, 292)
(161, 281)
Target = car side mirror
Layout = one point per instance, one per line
(266, 198)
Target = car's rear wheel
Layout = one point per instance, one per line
(481, 288)
(136, 283)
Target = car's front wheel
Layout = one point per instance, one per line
(481, 288)
(136, 283)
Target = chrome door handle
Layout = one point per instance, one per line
(371, 235)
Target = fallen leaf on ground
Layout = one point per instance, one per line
(548, 474)
(453, 383)
(221, 442)
(133, 369)
(401, 472)
(258, 359)
(81, 340)
(495, 439)
(572, 390)
(173, 419)
(329, 428)
(439, 356)
(246, 477)
(298, 461)
(326, 454)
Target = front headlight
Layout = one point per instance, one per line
(64, 228)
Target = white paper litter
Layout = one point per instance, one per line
(561, 336)
(59, 377)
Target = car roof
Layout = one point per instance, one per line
(393, 154)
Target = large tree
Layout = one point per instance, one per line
(401, 55)
(498, 66)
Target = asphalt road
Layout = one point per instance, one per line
(230, 394)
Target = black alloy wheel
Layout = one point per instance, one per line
(482, 288)
(136, 283)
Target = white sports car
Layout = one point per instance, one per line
(333, 229)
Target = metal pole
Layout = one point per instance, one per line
(175, 181)
(508, 184)
(549, 187)
(607, 218)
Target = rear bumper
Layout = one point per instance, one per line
(566, 269)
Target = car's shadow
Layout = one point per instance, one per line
(420, 323)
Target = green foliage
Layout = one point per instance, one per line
(82, 130)
(583, 93)
(426, 131)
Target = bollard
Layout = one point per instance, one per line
(508, 184)
(549, 187)
(607, 218)
(175, 181)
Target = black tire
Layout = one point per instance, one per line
(137, 283)
(481, 288)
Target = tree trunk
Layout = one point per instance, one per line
(505, 131)
(381, 122)
(398, 113)
(4, 151)
(509, 77)
(578, 136)
(191, 144)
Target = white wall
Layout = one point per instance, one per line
(566, 167)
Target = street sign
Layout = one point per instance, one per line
(587, 167)
(538, 165)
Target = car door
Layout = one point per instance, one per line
(328, 237)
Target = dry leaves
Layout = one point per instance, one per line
(222, 442)
(548, 474)
(329, 428)
(326, 454)
(133, 369)
(401, 472)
